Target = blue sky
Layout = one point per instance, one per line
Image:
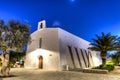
(84, 18)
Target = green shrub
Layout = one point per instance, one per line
(109, 67)
(111, 61)
(106, 67)
(11, 65)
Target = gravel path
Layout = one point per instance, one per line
(30, 74)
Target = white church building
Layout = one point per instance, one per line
(57, 49)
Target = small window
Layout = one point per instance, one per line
(71, 54)
(83, 57)
(78, 57)
(40, 42)
(87, 56)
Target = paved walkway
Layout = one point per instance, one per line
(26, 74)
(116, 70)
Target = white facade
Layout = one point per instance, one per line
(58, 49)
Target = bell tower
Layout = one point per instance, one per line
(41, 24)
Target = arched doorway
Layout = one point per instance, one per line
(40, 66)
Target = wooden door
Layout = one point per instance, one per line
(40, 62)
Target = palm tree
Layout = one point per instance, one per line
(103, 44)
(117, 55)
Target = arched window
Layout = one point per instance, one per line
(40, 62)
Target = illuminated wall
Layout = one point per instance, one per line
(59, 49)
(74, 51)
(44, 43)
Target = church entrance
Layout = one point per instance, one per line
(40, 62)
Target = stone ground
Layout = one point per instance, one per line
(30, 74)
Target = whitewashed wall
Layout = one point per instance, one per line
(67, 39)
(49, 49)
(54, 49)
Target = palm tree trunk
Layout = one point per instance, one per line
(103, 56)
(103, 61)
